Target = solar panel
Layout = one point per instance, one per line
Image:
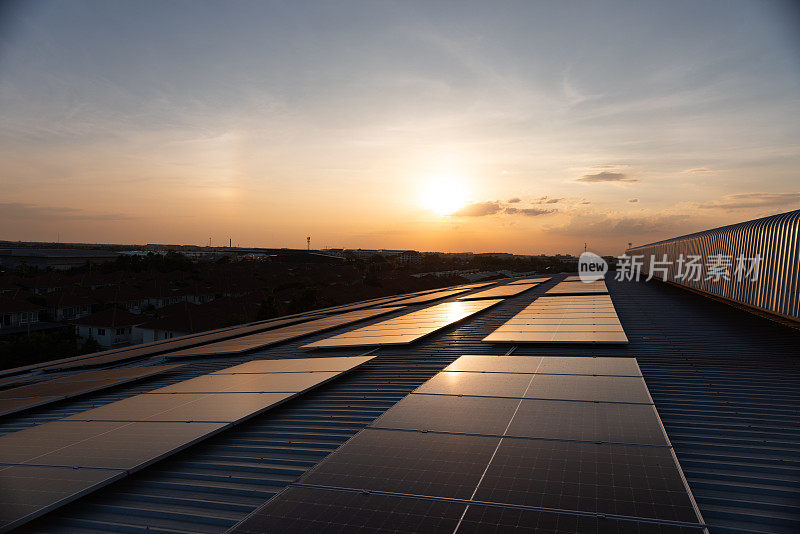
(482, 384)
(445, 413)
(530, 281)
(319, 510)
(279, 335)
(405, 328)
(567, 288)
(580, 319)
(430, 297)
(100, 444)
(475, 435)
(588, 421)
(496, 364)
(33, 395)
(249, 383)
(9, 406)
(507, 520)
(297, 365)
(625, 480)
(499, 292)
(589, 388)
(27, 492)
(416, 463)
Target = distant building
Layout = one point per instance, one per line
(109, 327)
(58, 259)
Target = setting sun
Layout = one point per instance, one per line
(444, 196)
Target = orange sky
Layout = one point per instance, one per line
(532, 129)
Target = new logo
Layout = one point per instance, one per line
(591, 267)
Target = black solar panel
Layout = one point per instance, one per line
(588, 421)
(611, 479)
(29, 491)
(488, 384)
(503, 520)
(417, 463)
(313, 510)
(589, 388)
(445, 413)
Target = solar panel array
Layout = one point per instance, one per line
(48, 465)
(577, 288)
(278, 335)
(530, 281)
(563, 319)
(29, 396)
(499, 292)
(406, 328)
(445, 459)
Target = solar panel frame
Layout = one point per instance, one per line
(505, 291)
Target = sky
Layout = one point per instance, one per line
(524, 127)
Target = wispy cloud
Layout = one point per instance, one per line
(514, 200)
(606, 176)
(753, 200)
(20, 211)
(479, 209)
(530, 212)
(633, 200)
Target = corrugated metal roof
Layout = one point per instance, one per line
(725, 383)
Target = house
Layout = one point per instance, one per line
(109, 327)
(56, 259)
(16, 312)
(65, 306)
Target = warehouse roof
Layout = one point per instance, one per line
(725, 384)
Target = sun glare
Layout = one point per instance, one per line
(444, 196)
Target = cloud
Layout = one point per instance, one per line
(699, 170)
(530, 212)
(606, 177)
(633, 200)
(548, 200)
(479, 209)
(752, 200)
(20, 211)
(514, 200)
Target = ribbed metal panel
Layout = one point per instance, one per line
(725, 383)
(776, 239)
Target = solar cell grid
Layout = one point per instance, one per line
(602, 478)
(318, 510)
(556, 337)
(589, 388)
(588, 421)
(496, 364)
(413, 463)
(444, 413)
